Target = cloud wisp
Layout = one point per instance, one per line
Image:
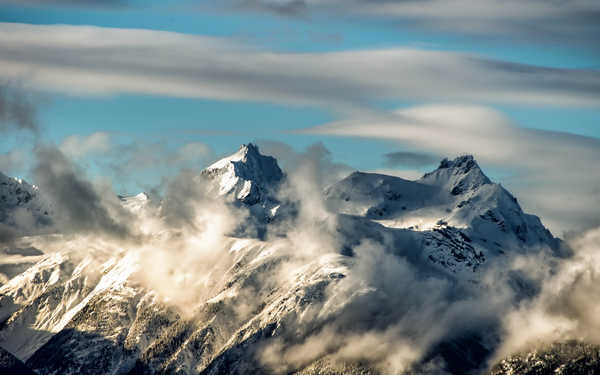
(18, 111)
(100, 61)
(408, 159)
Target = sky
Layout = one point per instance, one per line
(131, 89)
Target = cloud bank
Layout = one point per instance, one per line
(572, 21)
(99, 61)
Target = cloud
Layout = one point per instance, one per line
(76, 146)
(562, 187)
(567, 307)
(571, 21)
(17, 110)
(12, 161)
(79, 206)
(390, 309)
(408, 159)
(107, 61)
(282, 7)
(550, 21)
(195, 152)
(315, 158)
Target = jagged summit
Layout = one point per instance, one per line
(459, 176)
(245, 152)
(64, 314)
(465, 162)
(247, 175)
(457, 198)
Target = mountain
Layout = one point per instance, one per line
(135, 203)
(10, 365)
(561, 358)
(91, 306)
(462, 217)
(247, 175)
(21, 206)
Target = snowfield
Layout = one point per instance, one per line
(393, 276)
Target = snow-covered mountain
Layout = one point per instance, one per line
(21, 206)
(247, 175)
(86, 306)
(462, 217)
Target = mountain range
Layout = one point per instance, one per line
(262, 277)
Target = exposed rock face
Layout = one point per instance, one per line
(568, 358)
(463, 217)
(21, 206)
(73, 314)
(247, 175)
(10, 365)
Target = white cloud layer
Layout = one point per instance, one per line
(97, 61)
(574, 21)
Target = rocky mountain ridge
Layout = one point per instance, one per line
(91, 312)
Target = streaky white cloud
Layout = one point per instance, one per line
(574, 21)
(556, 174)
(106, 61)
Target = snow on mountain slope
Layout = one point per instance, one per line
(15, 260)
(86, 305)
(463, 217)
(62, 320)
(247, 175)
(41, 301)
(21, 206)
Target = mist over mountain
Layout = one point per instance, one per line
(247, 268)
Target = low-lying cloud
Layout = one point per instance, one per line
(383, 307)
(567, 307)
(79, 206)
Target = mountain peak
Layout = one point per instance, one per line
(460, 175)
(246, 174)
(245, 152)
(464, 162)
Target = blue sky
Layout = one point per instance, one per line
(530, 66)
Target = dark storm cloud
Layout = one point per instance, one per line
(410, 159)
(78, 205)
